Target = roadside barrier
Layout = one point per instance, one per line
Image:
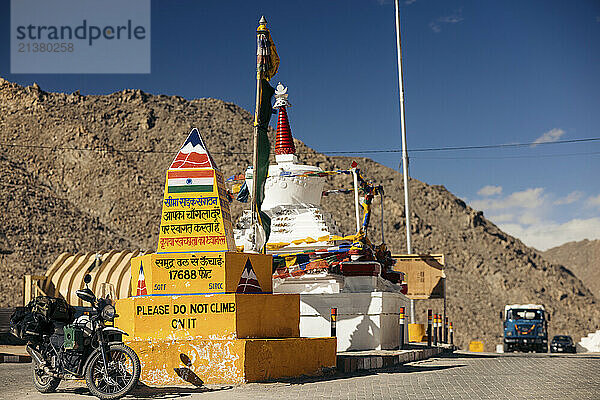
(429, 328)
(435, 330)
(446, 330)
(402, 326)
(440, 329)
(451, 334)
(333, 321)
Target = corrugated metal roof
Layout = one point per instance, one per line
(65, 275)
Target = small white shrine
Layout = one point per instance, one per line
(367, 304)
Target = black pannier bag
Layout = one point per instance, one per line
(52, 309)
(25, 325)
(32, 321)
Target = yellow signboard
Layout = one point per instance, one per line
(201, 273)
(224, 316)
(424, 274)
(195, 214)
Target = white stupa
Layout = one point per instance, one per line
(292, 202)
(367, 304)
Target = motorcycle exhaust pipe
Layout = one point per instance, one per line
(35, 355)
(39, 360)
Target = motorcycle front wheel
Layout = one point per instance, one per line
(121, 377)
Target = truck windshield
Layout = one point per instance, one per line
(525, 314)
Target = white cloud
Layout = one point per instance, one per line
(454, 18)
(490, 190)
(529, 198)
(546, 235)
(593, 201)
(530, 215)
(501, 218)
(548, 137)
(569, 199)
(530, 218)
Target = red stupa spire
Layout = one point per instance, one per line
(284, 142)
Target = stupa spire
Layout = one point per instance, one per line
(284, 142)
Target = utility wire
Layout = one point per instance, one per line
(507, 157)
(490, 146)
(450, 148)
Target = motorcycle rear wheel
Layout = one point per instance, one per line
(43, 382)
(123, 373)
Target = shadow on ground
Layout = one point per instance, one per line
(146, 392)
(398, 369)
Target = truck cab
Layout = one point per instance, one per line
(525, 328)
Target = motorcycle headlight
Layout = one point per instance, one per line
(108, 313)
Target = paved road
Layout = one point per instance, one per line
(460, 376)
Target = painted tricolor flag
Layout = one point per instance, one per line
(248, 281)
(186, 181)
(193, 154)
(141, 286)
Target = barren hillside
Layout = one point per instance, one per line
(58, 197)
(583, 258)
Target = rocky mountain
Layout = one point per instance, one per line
(583, 258)
(86, 173)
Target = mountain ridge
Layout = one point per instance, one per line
(118, 193)
(583, 258)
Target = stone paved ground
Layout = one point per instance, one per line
(460, 376)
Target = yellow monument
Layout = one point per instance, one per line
(199, 312)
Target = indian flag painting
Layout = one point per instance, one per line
(195, 209)
(190, 181)
(193, 154)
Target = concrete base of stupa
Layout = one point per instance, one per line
(221, 338)
(233, 361)
(365, 321)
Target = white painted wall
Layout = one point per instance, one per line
(366, 321)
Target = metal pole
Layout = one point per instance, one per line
(429, 331)
(440, 329)
(402, 340)
(445, 317)
(382, 220)
(445, 329)
(253, 207)
(435, 330)
(333, 322)
(403, 127)
(404, 149)
(356, 203)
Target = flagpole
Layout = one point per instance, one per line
(254, 209)
(404, 149)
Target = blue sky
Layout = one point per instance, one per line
(476, 73)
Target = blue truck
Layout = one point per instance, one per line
(525, 328)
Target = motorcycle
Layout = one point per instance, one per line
(87, 347)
